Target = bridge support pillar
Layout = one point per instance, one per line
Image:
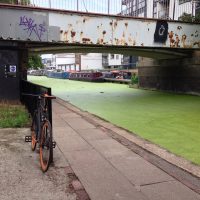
(179, 75)
(23, 63)
(13, 62)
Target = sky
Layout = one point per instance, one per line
(99, 6)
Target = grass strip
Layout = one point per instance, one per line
(13, 115)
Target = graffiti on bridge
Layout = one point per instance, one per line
(161, 32)
(32, 27)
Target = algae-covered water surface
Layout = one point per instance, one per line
(169, 120)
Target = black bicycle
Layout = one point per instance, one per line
(41, 131)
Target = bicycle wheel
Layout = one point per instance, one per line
(46, 147)
(34, 132)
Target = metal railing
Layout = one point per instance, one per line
(30, 102)
(165, 9)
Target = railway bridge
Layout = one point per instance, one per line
(173, 45)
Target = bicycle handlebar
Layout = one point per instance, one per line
(39, 95)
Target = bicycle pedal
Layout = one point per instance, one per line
(54, 144)
(28, 138)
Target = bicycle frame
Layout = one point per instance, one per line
(41, 131)
(41, 116)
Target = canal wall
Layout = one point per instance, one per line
(175, 75)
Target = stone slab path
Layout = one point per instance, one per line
(107, 169)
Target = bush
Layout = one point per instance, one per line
(134, 79)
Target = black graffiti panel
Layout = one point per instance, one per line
(161, 32)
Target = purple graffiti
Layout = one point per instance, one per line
(31, 27)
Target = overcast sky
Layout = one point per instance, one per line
(100, 6)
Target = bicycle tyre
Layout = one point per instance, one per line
(33, 132)
(46, 148)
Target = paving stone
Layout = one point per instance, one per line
(93, 134)
(100, 179)
(109, 147)
(69, 115)
(169, 191)
(61, 132)
(137, 170)
(79, 123)
(59, 122)
(60, 109)
(72, 142)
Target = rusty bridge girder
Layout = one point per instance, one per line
(63, 29)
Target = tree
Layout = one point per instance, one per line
(22, 2)
(197, 17)
(185, 17)
(35, 62)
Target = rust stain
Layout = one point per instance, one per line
(115, 25)
(86, 40)
(183, 40)
(81, 35)
(177, 41)
(63, 35)
(123, 40)
(197, 43)
(66, 36)
(73, 33)
(171, 39)
(117, 41)
(131, 41)
(100, 41)
(126, 24)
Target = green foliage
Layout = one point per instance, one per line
(35, 62)
(197, 17)
(13, 116)
(185, 17)
(22, 2)
(134, 79)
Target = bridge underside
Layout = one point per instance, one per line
(55, 31)
(34, 30)
(155, 53)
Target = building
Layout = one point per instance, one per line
(161, 9)
(197, 7)
(78, 62)
(112, 61)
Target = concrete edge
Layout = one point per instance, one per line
(144, 144)
(24, 129)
